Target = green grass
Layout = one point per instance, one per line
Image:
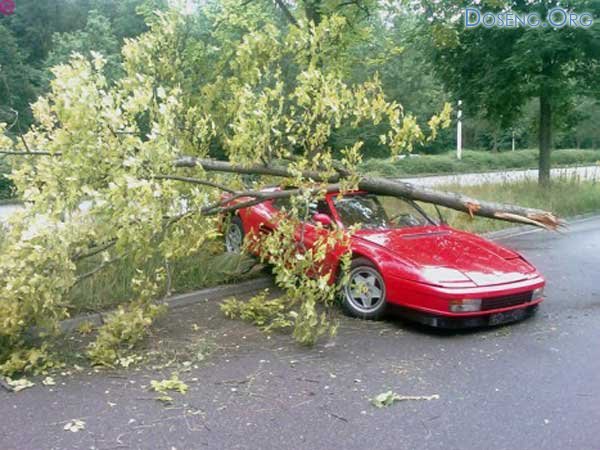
(565, 197)
(111, 287)
(474, 161)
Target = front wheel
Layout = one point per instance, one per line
(363, 295)
(234, 237)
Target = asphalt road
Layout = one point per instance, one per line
(530, 386)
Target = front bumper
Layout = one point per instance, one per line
(457, 321)
(430, 304)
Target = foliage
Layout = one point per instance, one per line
(112, 144)
(40, 28)
(97, 36)
(124, 328)
(17, 79)
(171, 384)
(27, 360)
(304, 271)
(20, 384)
(268, 315)
(7, 188)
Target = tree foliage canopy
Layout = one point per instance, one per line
(236, 83)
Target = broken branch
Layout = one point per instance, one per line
(383, 186)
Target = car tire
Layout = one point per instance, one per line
(364, 295)
(234, 235)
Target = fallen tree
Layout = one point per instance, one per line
(383, 186)
(375, 185)
(115, 148)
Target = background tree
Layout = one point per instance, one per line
(44, 32)
(18, 82)
(97, 35)
(496, 70)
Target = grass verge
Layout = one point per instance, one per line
(112, 286)
(474, 161)
(566, 197)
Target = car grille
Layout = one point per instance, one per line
(506, 301)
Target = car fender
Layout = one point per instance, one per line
(388, 263)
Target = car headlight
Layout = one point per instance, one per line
(538, 293)
(465, 305)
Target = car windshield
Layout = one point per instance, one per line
(373, 212)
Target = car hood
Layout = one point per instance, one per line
(447, 257)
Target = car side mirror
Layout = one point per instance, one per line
(323, 219)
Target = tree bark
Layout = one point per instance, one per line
(459, 202)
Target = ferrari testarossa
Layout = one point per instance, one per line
(401, 257)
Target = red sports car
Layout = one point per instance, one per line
(429, 271)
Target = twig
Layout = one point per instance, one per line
(287, 13)
(101, 267)
(95, 251)
(25, 143)
(195, 181)
(219, 209)
(30, 153)
(16, 113)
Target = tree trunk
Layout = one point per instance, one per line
(459, 202)
(383, 186)
(312, 10)
(545, 136)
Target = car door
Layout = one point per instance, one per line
(309, 233)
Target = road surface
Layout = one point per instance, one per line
(530, 386)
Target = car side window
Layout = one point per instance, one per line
(318, 207)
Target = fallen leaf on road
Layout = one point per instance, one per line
(172, 384)
(19, 385)
(388, 398)
(48, 381)
(74, 426)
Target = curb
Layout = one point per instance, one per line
(179, 301)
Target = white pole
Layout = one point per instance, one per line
(513, 141)
(459, 131)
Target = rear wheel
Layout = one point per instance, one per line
(363, 295)
(234, 237)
